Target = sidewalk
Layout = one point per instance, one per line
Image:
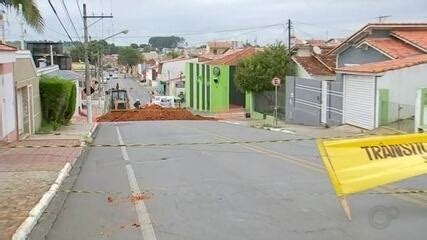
(27, 173)
(310, 131)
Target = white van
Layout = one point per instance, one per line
(167, 101)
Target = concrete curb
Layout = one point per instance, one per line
(27, 226)
(36, 212)
(229, 122)
(283, 130)
(92, 130)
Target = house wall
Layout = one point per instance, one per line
(188, 83)
(220, 90)
(353, 55)
(172, 70)
(403, 85)
(25, 76)
(7, 105)
(202, 92)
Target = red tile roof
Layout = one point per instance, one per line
(234, 57)
(7, 48)
(393, 47)
(219, 44)
(329, 60)
(384, 66)
(367, 27)
(415, 37)
(315, 42)
(313, 66)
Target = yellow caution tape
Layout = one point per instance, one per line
(355, 165)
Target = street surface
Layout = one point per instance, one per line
(221, 191)
(135, 90)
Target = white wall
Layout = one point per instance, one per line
(7, 96)
(301, 72)
(174, 68)
(403, 85)
(7, 57)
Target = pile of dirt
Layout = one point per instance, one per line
(149, 113)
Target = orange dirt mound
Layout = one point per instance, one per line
(148, 113)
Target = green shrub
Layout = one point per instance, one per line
(71, 107)
(56, 96)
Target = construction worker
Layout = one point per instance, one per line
(137, 104)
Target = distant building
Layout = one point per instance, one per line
(218, 47)
(171, 76)
(42, 54)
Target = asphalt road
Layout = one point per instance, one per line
(221, 191)
(135, 89)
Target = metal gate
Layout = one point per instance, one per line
(303, 101)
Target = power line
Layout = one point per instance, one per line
(51, 29)
(80, 10)
(71, 20)
(212, 32)
(59, 19)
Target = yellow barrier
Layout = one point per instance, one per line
(356, 165)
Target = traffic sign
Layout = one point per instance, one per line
(91, 90)
(276, 81)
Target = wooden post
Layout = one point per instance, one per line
(346, 207)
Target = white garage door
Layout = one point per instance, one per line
(359, 101)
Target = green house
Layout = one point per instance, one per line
(210, 86)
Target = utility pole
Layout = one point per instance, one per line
(289, 35)
(87, 74)
(87, 77)
(21, 23)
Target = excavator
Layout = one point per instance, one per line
(118, 99)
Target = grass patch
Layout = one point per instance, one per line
(46, 127)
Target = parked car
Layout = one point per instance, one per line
(167, 101)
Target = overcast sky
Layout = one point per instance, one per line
(201, 20)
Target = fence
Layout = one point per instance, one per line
(396, 115)
(304, 101)
(334, 101)
(264, 102)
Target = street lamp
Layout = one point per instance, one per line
(88, 81)
(101, 52)
(122, 32)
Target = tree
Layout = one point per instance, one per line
(77, 53)
(30, 12)
(95, 47)
(134, 45)
(165, 42)
(255, 73)
(129, 57)
(146, 47)
(173, 54)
